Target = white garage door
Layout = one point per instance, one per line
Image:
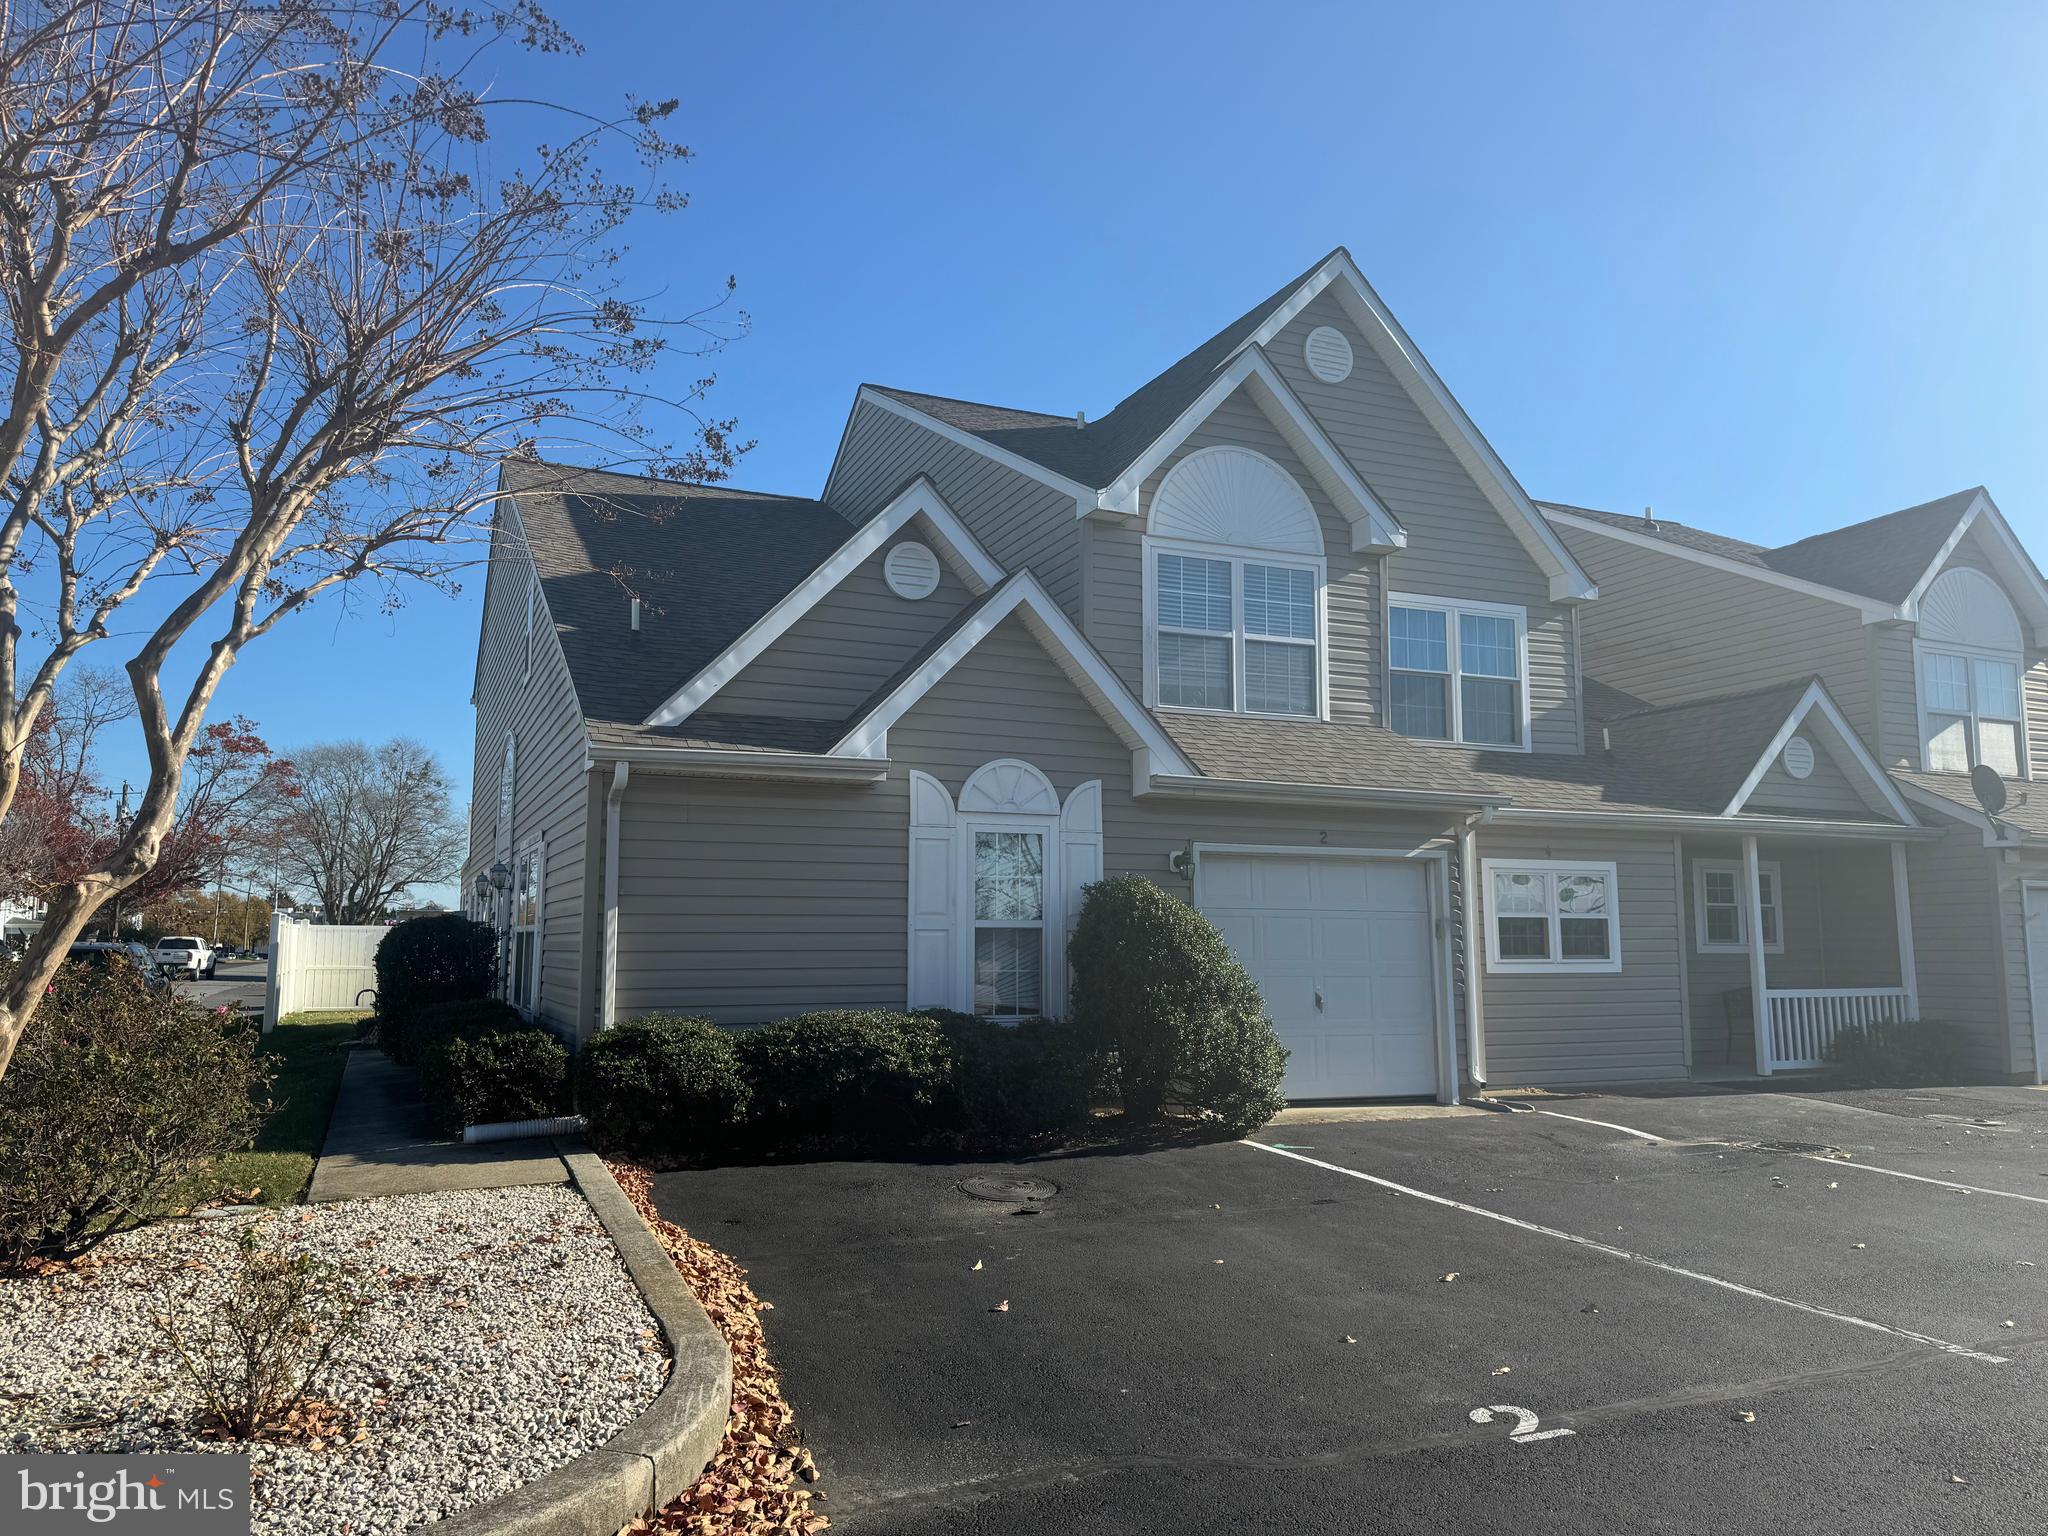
(1343, 950)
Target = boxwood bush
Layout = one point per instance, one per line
(663, 1088)
(1014, 1084)
(427, 961)
(1158, 990)
(116, 1095)
(848, 1078)
(480, 1062)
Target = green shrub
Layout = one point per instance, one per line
(426, 961)
(1013, 1084)
(1907, 1055)
(116, 1095)
(1156, 987)
(480, 1062)
(848, 1078)
(662, 1087)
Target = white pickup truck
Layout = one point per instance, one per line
(185, 955)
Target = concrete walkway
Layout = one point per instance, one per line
(380, 1142)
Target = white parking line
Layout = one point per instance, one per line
(1605, 1125)
(1964, 1351)
(1832, 1162)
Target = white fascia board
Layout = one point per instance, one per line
(1996, 834)
(1372, 525)
(1675, 821)
(1568, 583)
(1871, 610)
(2022, 566)
(714, 762)
(978, 568)
(1817, 698)
(1022, 595)
(1084, 495)
(1202, 787)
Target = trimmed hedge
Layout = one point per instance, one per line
(1910, 1055)
(480, 1062)
(662, 1087)
(848, 1078)
(1157, 988)
(1014, 1084)
(683, 1089)
(424, 962)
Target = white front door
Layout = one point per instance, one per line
(1343, 950)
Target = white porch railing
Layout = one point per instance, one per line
(1805, 1022)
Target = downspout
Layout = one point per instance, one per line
(1469, 919)
(608, 1008)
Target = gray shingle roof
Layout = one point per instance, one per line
(1096, 454)
(2026, 810)
(1687, 759)
(1880, 557)
(706, 562)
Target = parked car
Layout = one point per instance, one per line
(103, 954)
(191, 955)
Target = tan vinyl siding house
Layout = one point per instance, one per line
(801, 766)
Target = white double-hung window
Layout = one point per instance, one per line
(1970, 658)
(1551, 916)
(1721, 907)
(1457, 671)
(1235, 633)
(1009, 921)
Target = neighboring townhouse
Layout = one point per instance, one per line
(1928, 625)
(1279, 632)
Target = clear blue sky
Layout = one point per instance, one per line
(1769, 268)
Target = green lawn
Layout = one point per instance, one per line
(307, 1051)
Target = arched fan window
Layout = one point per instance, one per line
(1970, 663)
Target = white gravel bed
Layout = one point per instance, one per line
(501, 1337)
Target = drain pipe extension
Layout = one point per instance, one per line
(608, 1003)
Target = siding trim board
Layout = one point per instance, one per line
(1084, 495)
(920, 498)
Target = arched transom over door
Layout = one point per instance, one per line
(995, 883)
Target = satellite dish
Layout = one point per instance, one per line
(1990, 789)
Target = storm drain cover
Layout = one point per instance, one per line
(1802, 1148)
(1008, 1191)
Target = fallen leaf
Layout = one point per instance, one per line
(977, 1263)
(1502, 1370)
(1350, 1338)
(1834, 1184)
(2007, 1323)
(1745, 1416)
(1860, 1245)
(962, 1423)
(1001, 1306)
(1447, 1279)
(1954, 1479)
(1219, 1261)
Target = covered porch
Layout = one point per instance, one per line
(1820, 928)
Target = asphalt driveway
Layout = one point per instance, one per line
(1235, 1337)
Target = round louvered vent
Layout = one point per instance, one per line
(1799, 757)
(912, 571)
(1328, 353)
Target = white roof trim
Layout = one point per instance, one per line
(1997, 834)
(1568, 583)
(1084, 495)
(1816, 698)
(920, 497)
(2022, 567)
(1373, 526)
(1022, 595)
(734, 763)
(1672, 821)
(1872, 610)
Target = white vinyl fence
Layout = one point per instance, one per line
(315, 966)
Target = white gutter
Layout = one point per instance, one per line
(608, 1006)
(721, 763)
(1794, 826)
(1201, 787)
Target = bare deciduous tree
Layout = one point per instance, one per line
(276, 317)
(366, 825)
